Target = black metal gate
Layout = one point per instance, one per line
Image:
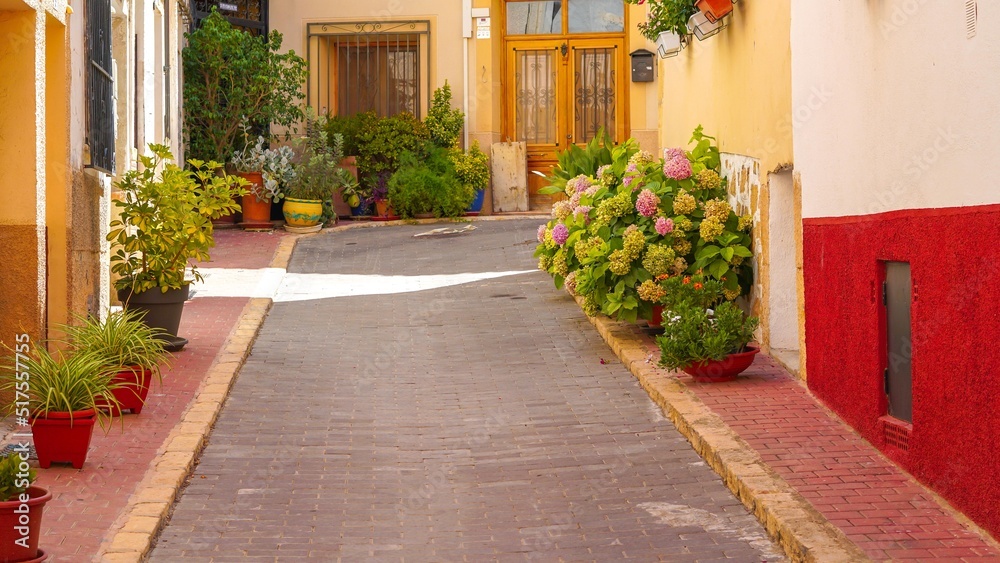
(100, 87)
(250, 15)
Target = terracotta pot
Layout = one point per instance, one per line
(384, 211)
(715, 10)
(256, 212)
(340, 207)
(13, 515)
(134, 390)
(63, 436)
(656, 318)
(722, 370)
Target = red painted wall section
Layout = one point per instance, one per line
(954, 256)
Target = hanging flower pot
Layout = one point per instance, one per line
(669, 44)
(703, 27)
(715, 10)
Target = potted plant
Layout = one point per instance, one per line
(267, 171)
(230, 76)
(426, 185)
(473, 170)
(62, 399)
(350, 129)
(21, 507)
(704, 334)
(128, 346)
(166, 221)
(715, 10)
(667, 24)
(384, 211)
(317, 176)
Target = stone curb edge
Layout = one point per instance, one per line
(149, 506)
(801, 531)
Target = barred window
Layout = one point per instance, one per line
(380, 67)
(248, 15)
(100, 87)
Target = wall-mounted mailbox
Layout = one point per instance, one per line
(643, 65)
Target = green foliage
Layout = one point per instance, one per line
(428, 184)
(350, 129)
(318, 173)
(276, 166)
(665, 15)
(231, 75)
(472, 167)
(693, 334)
(444, 123)
(383, 141)
(575, 161)
(14, 481)
(60, 383)
(121, 340)
(166, 219)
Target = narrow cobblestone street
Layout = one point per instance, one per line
(484, 421)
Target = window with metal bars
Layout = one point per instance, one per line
(100, 87)
(248, 15)
(380, 67)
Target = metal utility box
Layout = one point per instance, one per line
(643, 65)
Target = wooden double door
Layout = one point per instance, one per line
(562, 91)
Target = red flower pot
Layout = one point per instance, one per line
(58, 437)
(656, 318)
(134, 390)
(384, 211)
(20, 526)
(722, 370)
(715, 10)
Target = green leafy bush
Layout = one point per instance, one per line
(472, 167)
(231, 75)
(381, 144)
(166, 220)
(426, 183)
(444, 123)
(350, 129)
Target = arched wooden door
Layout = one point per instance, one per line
(564, 79)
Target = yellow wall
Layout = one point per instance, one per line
(737, 84)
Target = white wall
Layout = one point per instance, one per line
(894, 107)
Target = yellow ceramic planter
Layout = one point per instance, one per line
(302, 212)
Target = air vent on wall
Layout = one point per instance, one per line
(971, 15)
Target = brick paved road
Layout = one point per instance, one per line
(476, 422)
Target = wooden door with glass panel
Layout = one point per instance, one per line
(563, 87)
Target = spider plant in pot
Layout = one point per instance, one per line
(130, 347)
(21, 507)
(166, 222)
(60, 394)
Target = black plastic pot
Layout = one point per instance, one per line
(161, 310)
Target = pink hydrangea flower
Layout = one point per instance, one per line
(582, 210)
(631, 168)
(560, 233)
(591, 191)
(647, 203)
(664, 226)
(575, 200)
(671, 154)
(677, 169)
(541, 233)
(628, 180)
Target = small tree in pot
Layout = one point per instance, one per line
(166, 221)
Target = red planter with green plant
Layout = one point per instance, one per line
(20, 510)
(63, 436)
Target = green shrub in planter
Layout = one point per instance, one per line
(428, 184)
(444, 123)
(382, 143)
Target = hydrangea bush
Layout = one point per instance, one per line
(630, 222)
